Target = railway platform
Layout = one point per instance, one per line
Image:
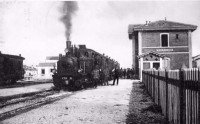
(6, 93)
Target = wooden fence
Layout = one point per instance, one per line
(177, 92)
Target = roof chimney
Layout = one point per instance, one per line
(165, 18)
(146, 22)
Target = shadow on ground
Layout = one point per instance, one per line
(142, 110)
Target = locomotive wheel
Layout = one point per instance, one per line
(57, 83)
(57, 87)
(82, 86)
(85, 85)
(8, 81)
(13, 81)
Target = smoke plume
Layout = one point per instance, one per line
(68, 10)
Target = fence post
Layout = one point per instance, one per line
(158, 87)
(166, 82)
(181, 93)
(199, 96)
(153, 86)
(142, 77)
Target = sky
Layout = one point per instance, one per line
(34, 30)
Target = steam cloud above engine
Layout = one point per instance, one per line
(68, 9)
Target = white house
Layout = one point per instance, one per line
(46, 69)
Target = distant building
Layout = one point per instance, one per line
(196, 61)
(161, 44)
(46, 69)
(30, 72)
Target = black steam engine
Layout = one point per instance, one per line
(11, 68)
(75, 68)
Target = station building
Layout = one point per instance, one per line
(161, 44)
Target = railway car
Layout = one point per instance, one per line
(74, 70)
(11, 68)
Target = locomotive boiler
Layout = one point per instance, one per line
(74, 69)
(11, 68)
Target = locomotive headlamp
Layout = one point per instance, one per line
(66, 50)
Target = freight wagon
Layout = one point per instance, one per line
(11, 68)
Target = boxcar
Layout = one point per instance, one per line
(11, 68)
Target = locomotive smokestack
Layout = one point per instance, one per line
(68, 45)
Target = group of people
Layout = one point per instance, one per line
(127, 73)
(101, 77)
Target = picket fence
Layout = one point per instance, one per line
(177, 92)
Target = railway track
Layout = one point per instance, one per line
(12, 107)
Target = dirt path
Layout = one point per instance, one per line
(126, 103)
(104, 105)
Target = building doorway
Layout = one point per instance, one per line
(156, 65)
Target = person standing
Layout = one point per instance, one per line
(124, 72)
(106, 73)
(102, 76)
(116, 76)
(96, 75)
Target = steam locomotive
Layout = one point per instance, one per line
(75, 68)
(11, 68)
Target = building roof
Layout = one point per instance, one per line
(30, 68)
(12, 56)
(197, 57)
(151, 52)
(45, 64)
(52, 58)
(160, 25)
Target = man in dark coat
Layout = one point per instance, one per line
(116, 76)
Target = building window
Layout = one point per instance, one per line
(51, 70)
(164, 40)
(19, 65)
(93, 55)
(146, 65)
(86, 54)
(43, 71)
(176, 36)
